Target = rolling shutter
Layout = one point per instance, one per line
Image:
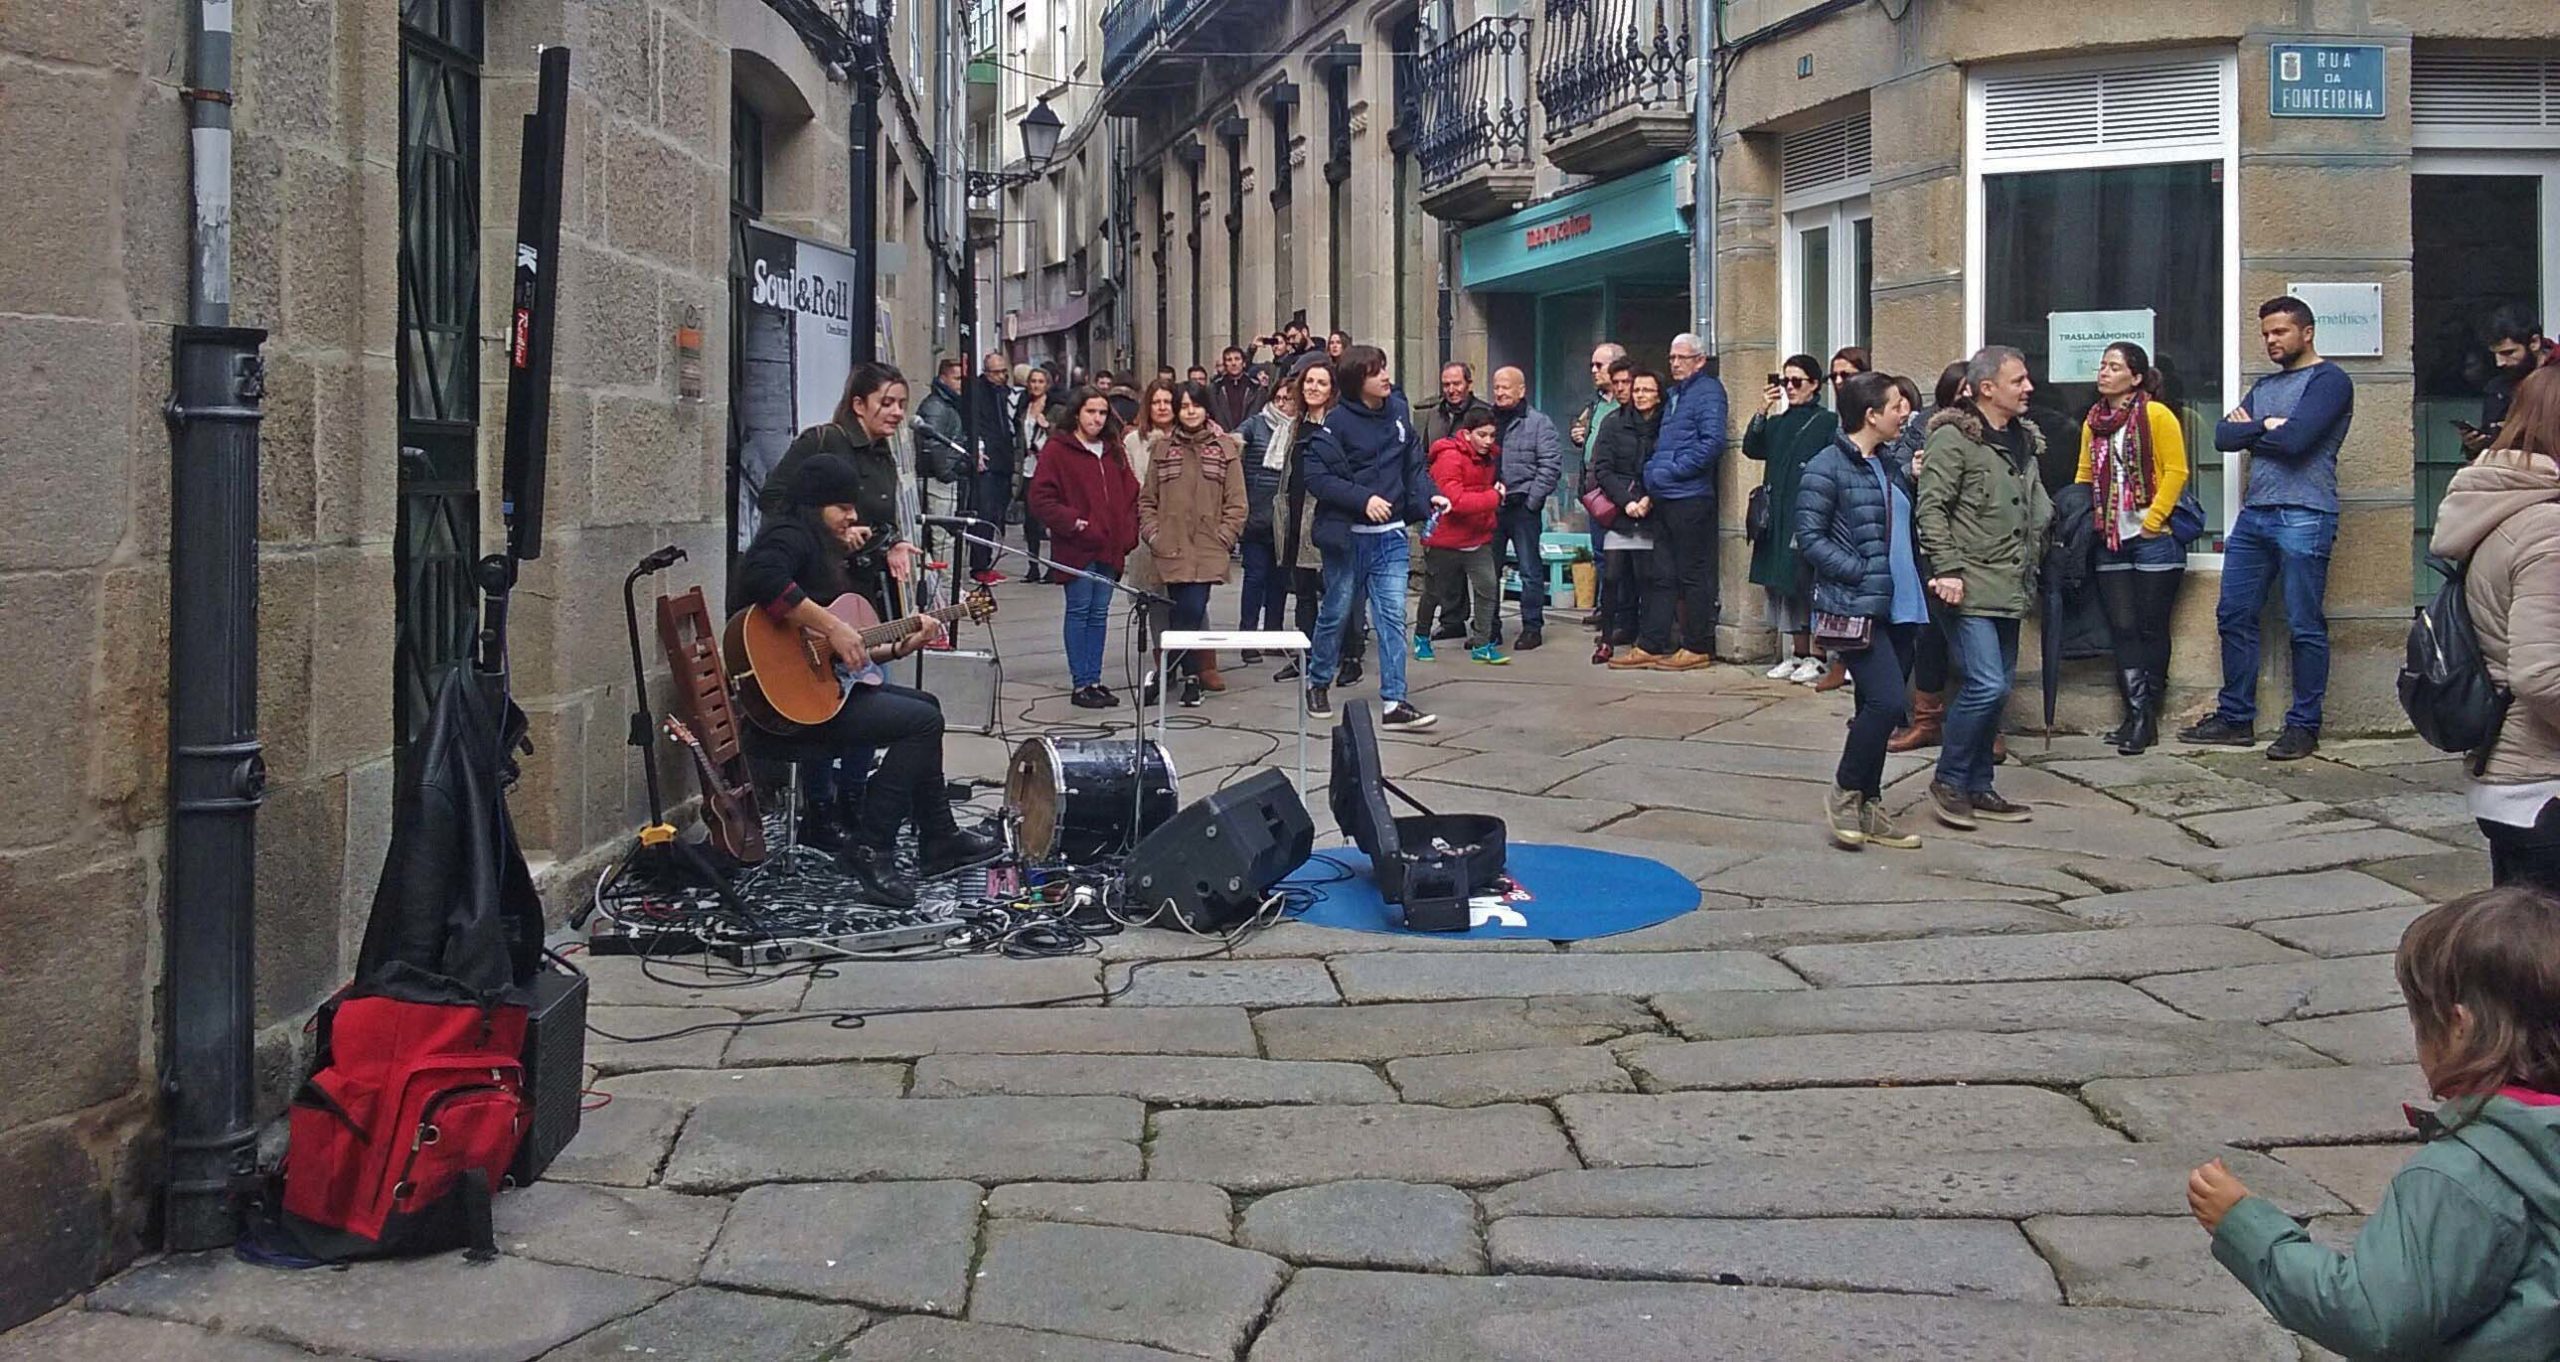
(2145, 107)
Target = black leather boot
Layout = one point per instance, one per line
(876, 876)
(2142, 714)
(2128, 686)
(941, 853)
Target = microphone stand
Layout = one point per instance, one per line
(1140, 599)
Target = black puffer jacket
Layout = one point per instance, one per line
(1844, 529)
(1626, 441)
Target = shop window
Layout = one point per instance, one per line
(2102, 202)
(1829, 262)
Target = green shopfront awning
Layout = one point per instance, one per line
(1629, 227)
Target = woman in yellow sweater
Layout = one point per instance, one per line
(2133, 455)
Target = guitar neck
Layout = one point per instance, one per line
(895, 630)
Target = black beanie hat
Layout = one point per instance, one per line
(826, 480)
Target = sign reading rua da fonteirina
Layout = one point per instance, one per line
(2325, 80)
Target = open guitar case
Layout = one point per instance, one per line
(1428, 863)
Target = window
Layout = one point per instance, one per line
(746, 160)
(2107, 188)
(1828, 269)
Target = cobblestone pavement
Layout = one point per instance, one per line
(1933, 1105)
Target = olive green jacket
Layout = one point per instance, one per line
(1982, 517)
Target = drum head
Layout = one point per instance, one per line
(1034, 789)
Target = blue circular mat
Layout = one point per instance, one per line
(1558, 893)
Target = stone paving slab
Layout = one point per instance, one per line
(1744, 762)
(1505, 771)
(1390, 1031)
(1508, 1076)
(2300, 852)
(2165, 766)
(2234, 902)
(620, 1144)
(2251, 827)
(1165, 1207)
(1687, 1128)
(93, 1336)
(1333, 1316)
(2003, 1184)
(1161, 1080)
(2200, 794)
(1272, 1148)
(2375, 931)
(1812, 873)
(699, 980)
(2384, 1037)
(2053, 1058)
(1128, 1286)
(992, 982)
(685, 1087)
(2440, 878)
(1985, 1258)
(1239, 983)
(1698, 862)
(700, 1050)
(2155, 1262)
(635, 1232)
(703, 1325)
(1021, 1031)
(2126, 953)
(1773, 928)
(2280, 992)
(1528, 818)
(393, 1311)
(895, 1245)
(2436, 813)
(2358, 1173)
(1427, 978)
(923, 1338)
(738, 1141)
(1367, 1223)
(2358, 1105)
(2068, 1003)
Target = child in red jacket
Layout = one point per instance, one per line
(1461, 561)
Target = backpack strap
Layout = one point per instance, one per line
(478, 1222)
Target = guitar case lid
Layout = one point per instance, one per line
(1357, 791)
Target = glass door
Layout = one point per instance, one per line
(1830, 277)
(2485, 236)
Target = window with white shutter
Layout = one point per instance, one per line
(2126, 111)
(2485, 100)
(1831, 161)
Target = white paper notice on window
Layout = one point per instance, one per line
(2077, 341)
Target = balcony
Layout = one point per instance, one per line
(1471, 138)
(1613, 81)
(1153, 49)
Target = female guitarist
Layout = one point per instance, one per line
(795, 567)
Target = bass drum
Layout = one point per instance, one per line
(1085, 799)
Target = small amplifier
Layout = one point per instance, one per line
(965, 683)
(555, 1067)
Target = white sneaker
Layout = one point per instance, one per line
(1808, 670)
(1784, 671)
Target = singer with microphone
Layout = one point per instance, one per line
(866, 418)
(1087, 496)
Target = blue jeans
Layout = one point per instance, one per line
(1518, 530)
(1088, 622)
(1190, 611)
(1266, 596)
(1382, 562)
(1984, 652)
(2270, 544)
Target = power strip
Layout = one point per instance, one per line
(837, 947)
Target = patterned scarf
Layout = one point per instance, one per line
(2120, 462)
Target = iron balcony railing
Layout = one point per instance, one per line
(1474, 91)
(1604, 56)
(1130, 27)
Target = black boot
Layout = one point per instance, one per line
(876, 876)
(2128, 687)
(941, 853)
(2142, 714)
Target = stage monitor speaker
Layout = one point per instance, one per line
(1212, 865)
(555, 1068)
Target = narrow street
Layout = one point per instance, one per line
(1935, 1105)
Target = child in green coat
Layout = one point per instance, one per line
(2462, 1258)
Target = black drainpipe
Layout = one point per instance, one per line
(217, 777)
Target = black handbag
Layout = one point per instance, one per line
(1755, 515)
(1843, 633)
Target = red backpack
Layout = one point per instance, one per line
(406, 1129)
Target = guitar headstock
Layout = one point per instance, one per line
(980, 605)
(676, 729)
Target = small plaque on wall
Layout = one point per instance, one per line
(689, 382)
(2348, 317)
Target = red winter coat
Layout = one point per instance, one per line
(1466, 479)
(1076, 484)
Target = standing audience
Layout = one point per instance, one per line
(1790, 429)
(1680, 609)
(2133, 456)
(1031, 434)
(1628, 437)
(1265, 437)
(1191, 514)
(1532, 464)
(1301, 561)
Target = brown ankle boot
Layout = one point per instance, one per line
(1209, 678)
(1928, 723)
(1833, 679)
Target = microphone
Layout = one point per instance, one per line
(663, 559)
(939, 438)
(962, 523)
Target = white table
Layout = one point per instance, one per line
(1267, 641)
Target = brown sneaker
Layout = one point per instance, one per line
(1636, 660)
(1954, 807)
(1833, 679)
(1685, 660)
(1880, 830)
(1991, 808)
(1840, 809)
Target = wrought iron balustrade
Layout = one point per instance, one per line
(1605, 56)
(1474, 101)
(1127, 27)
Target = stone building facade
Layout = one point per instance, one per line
(381, 441)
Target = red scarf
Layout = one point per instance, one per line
(2120, 472)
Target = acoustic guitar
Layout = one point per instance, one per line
(787, 679)
(728, 811)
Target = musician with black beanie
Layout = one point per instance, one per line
(797, 567)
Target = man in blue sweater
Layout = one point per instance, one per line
(1680, 476)
(2290, 426)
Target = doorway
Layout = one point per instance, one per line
(2485, 235)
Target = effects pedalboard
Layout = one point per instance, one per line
(862, 932)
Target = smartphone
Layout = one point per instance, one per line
(1773, 380)
(2467, 428)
